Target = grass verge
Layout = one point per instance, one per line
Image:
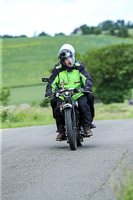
(113, 111)
(13, 116)
(124, 189)
(25, 115)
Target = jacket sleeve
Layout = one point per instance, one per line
(85, 77)
(53, 80)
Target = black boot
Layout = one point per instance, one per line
(61, 136)
(88, 132)
(92, 126)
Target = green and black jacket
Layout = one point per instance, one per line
(77, 77)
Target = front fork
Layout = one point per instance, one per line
(64, 106)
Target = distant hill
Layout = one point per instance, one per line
(26, 60)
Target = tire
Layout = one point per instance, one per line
(70, 133)
(79, 143)
(77, 131)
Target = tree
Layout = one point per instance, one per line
(22, 36)
(4, 96)
(111, 69)
(58, 34)
(112, 31)
(86, 29)
(7, 36)
(106, 25)
(74, 31)
(123, 32)
(43, 34)
(120, 23)
(97, 31)
(129, 24)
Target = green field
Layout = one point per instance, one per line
(30, 95)
(26, 60)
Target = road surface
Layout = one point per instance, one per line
(36, 167)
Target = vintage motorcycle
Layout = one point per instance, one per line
(69, 110)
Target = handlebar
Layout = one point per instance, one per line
(74, 90)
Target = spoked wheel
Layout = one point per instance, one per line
(70, 132)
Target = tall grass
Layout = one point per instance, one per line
(25, 115)
(114, 111)
(124, 189)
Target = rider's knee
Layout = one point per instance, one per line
(83, 105)
(53, 102)
(90, 97)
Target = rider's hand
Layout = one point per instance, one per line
(87, 89)
(57, 89)
(48, 94)
(76, 90)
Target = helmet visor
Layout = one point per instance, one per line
(69, 61)
(67, 57)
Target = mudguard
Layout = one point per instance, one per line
(67, 105)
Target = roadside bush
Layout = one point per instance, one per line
(3, 114)
(45, 103)
(111, 69)
(7, 114)
(4, 96)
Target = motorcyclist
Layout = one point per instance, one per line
(70, 74)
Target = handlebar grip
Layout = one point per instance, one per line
(49, 96)
(45, 79)
(76, 90)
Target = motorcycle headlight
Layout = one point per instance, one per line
(67, 94)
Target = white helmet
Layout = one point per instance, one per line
(67, 52)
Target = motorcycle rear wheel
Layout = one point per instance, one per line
(79, 143)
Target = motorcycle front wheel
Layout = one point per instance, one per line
(69, 129)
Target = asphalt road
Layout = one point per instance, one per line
(36, 167)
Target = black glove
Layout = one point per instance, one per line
(48, 94)
(57, 89)
(87, 89)
(76, 90)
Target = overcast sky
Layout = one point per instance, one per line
(54, 16)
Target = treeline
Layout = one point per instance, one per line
(118, 28)
(41, 34)
(10, 36)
